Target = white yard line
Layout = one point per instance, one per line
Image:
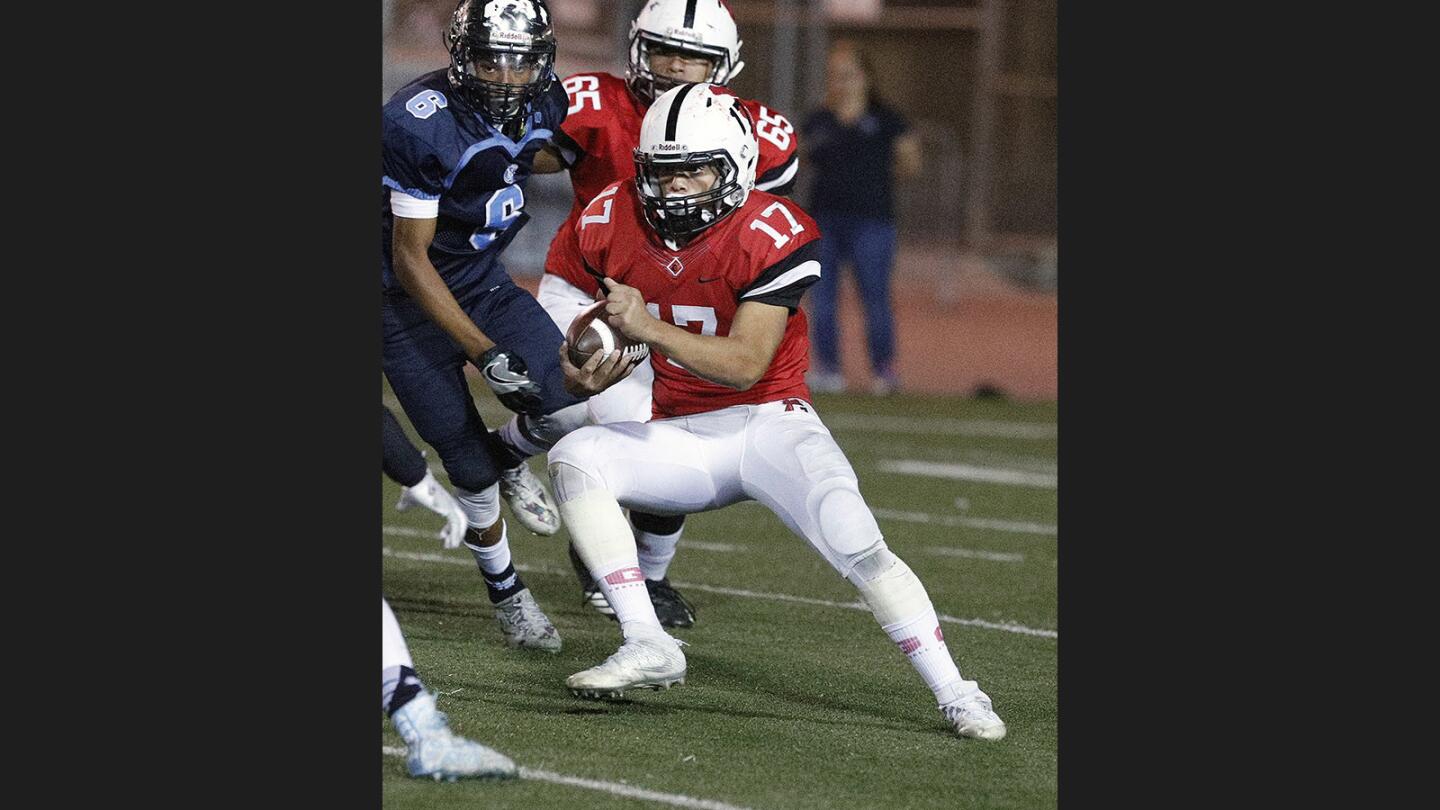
(617, 788)
(996, 556)
(629, 791)
(967, 472)
(933, 426)
(406, 531)
(781, 597)
(705, 545)
(968, 522)
(949, 551)
(1008, 627)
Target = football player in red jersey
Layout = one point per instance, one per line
(671, 42)
(709, 273)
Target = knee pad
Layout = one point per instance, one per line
(844, 521)
(569, 481)
(482, 508)
(656, 524)
(889, 587)
(572, 467)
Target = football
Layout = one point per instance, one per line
(589, 333)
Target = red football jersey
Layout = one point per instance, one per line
(767, 250)
(598, 140)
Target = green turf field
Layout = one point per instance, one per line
(794, 697)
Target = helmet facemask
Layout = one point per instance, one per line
(679, 218)
(648, 86)
(500, 102)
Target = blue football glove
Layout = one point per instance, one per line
(507, 376)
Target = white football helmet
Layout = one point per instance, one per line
(688, 127)
(700, 27)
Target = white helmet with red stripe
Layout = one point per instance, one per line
(701, 28)
(690, 127)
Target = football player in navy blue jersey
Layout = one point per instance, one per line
(458, 145)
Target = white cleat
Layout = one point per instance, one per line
(525, 625)
(974, 717)
(649, 662)
(529, 501)
(435, 751)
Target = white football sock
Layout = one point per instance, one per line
(923, 643)
(393, 652)
(513, 433)
(397, 671)
(623, 584)
(655, 552)
(493, 560)
(482, 508)
(604, 541)
(904, 610)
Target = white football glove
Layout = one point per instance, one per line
(431, 495)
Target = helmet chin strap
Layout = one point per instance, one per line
(707, 215)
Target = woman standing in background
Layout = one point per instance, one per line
(856, 145)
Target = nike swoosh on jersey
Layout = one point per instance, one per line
(708, 280)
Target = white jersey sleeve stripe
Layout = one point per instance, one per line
(805, 270)
(782, 179)
(404, 205)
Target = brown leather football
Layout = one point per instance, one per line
(589, 332)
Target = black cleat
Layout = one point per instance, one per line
(595, 600)
(670, 607)
(592, 597)
(582, 574)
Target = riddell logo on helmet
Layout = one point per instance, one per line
(670, 147)
(685, 33)
(511, 37)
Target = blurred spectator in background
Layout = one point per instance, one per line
(856, 145)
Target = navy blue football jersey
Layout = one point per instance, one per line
(435, 148)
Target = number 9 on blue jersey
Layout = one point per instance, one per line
(500, 210)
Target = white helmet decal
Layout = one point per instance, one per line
(497, 10)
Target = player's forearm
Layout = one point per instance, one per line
(422, 282)
(730, 361)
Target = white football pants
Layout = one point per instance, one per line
(778, 453)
